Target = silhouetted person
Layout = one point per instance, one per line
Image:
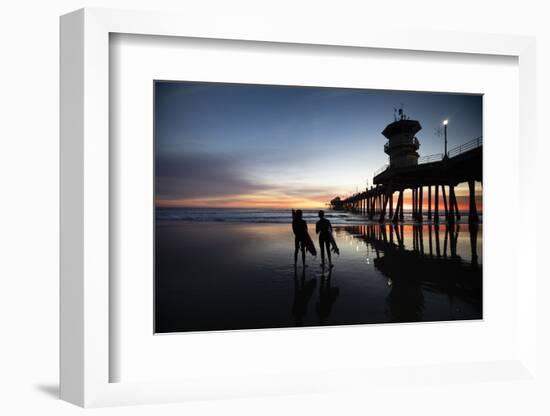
(324, 229)
(299, 227)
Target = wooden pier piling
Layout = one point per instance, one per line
(429, 202)
(451, 218)
(445, 202)
(473, 217)
(421, 192)
(436, 205)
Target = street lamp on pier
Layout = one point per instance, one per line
(445, 122)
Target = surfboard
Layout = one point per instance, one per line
(333, 244)
(309, 245)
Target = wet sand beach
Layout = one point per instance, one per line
(223, 276)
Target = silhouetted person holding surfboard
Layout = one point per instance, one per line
(326, 240)
(302, 240)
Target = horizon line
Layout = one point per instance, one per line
(243, 207)
(409, 209)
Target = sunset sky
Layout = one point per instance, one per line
(235, 145)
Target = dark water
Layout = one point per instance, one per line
(237, 275)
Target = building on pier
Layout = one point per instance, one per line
(336, 204)
(402, 145)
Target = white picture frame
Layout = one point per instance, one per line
(85, 183)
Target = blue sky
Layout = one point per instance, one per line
(256, 145)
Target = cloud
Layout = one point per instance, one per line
(180, 176)
(208, 179)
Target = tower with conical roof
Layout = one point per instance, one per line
(402, 145)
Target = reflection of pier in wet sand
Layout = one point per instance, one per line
(430, 264)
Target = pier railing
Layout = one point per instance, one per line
(472, 144)
(436, 157)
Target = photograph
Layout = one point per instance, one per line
(280, 206)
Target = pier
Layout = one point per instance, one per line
(432, 179)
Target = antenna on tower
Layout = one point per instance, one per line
(401, 113)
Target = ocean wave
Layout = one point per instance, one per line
(266, 216)
(249, 215)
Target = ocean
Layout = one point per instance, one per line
(265, 215)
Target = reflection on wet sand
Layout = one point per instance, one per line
(384, 273)
(412, 272)
(327, 297)
(303, 291)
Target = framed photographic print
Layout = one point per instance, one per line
(259, 221)
(236, 205)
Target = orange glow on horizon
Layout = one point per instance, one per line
(244, 201)
(461, 193)
(462, 201)
(282, 200)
